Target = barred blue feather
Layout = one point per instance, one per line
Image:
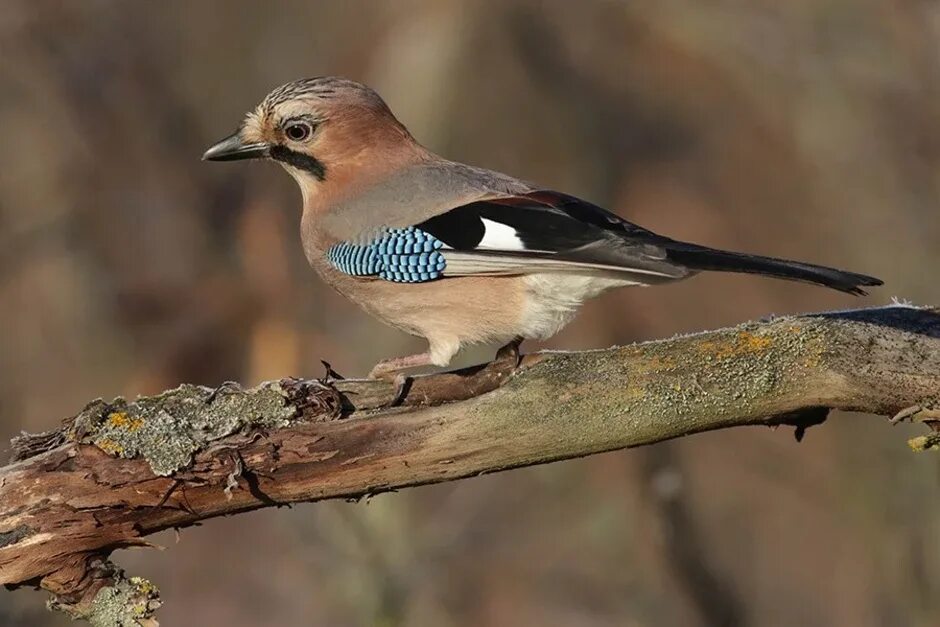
(407, 255)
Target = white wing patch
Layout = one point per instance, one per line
(499, 236)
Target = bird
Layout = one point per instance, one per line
(454, 253)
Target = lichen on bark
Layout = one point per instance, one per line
(57, 527)
(130, 602)
(168, 429)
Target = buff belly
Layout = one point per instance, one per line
(457, 311)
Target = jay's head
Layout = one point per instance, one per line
(316, 127)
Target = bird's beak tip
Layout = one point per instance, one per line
(232, 148)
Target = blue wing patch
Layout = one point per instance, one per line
(407, 255)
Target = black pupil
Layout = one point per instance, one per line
(297, 132)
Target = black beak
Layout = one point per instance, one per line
(232, 148)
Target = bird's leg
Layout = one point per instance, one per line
(389, 368)
(510, 352)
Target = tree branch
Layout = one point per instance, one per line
(121, 470)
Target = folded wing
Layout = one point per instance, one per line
(546, 231)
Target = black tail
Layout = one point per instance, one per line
(703, 258)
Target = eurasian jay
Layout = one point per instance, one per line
(451, 252)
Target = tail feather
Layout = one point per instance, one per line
(704, 258)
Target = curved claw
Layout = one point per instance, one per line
(510, 352)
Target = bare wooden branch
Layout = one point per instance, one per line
(121, 470)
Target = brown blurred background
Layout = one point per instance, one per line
(808, 129)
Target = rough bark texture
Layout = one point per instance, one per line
(121, 470)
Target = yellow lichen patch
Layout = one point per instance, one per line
(633, 393)
(743, 343)
(658, 363)
(150, 600)
(144, 586)
(925, 442)
(121, 420)
(109, 446)
(814, 353)
(754, 343)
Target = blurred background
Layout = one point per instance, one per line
(806, 129)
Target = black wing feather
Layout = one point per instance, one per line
(460, 228)
(566, 228)
(540, 227)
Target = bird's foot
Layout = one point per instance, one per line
(392, 370)
(388, 369)
(510, 352)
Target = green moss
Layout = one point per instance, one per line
(168, 429)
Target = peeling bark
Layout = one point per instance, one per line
(121, 470)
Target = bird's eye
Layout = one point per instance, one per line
(298, 131)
